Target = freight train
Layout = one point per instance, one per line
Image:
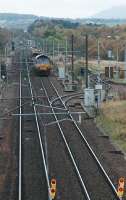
(42, 65)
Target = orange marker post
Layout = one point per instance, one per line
(120, 191)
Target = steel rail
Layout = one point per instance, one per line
(41, 105)
(14, 109)
(88, 146)
(68, 148)
(48, 113)
(66, 101)
(17, 98)
(65, 96)
(39, 133)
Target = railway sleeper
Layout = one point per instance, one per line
(119, 152)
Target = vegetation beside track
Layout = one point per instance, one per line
(119, 81)
(112, 120)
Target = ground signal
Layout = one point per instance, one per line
(120, 190)
(53, 188)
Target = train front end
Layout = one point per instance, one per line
(43, 65)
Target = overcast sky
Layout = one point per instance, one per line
(59, 8)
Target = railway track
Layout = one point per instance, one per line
(53, 146)
(63, 170)
(33, 180)
(97, 178)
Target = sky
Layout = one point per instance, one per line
(59, 8)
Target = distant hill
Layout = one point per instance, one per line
(23, 21)
(61, 23)
(10, 20)
(112, 13)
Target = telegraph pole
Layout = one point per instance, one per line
(86, 41)
(46, 46)
(98, 45)
(53, 50)
(43, 46)
(66, 58)
(117, 63)
(72, 60)
(125, 63)
(5, 54)
(58, 50)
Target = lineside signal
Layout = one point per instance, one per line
(120, 191)
(52, 193)
(53, 188)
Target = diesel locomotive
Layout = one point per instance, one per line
(43, 65)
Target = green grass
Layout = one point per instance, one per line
(119, 81)
(112, 119)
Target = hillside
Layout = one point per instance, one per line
(62, 29)
(113, 13)
(8, 20)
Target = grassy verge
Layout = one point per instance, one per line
(112, 119)
(120, 81)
